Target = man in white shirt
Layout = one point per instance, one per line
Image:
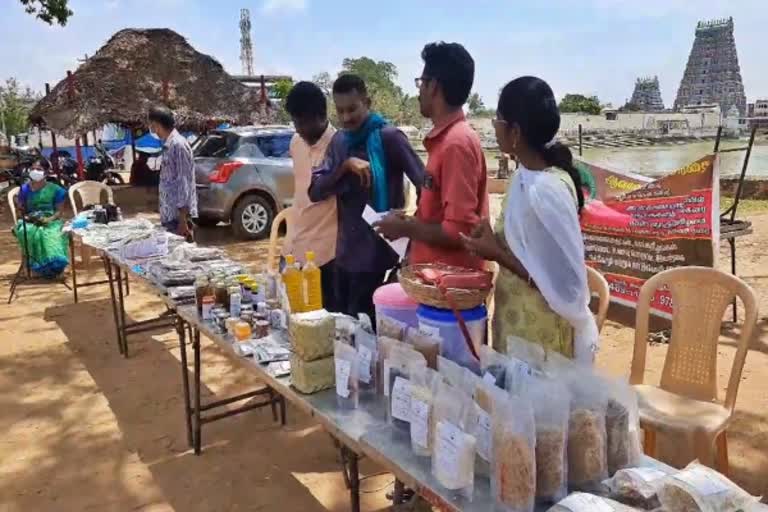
(313, 225)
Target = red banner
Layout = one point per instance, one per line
(635, 227)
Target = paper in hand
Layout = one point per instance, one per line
(371, 216)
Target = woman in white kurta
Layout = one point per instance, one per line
(541, 292)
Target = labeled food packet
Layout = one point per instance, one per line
(551, 407)
(367, 360)
(453, 454)
(518, 376)
(622, 425)
(451, 372)
(423, 389)
(587, 457)
(428, 344)
(698, 488)
(493, 366)
(486, 397)
(402, 362)
(384, 346)
(513, 473)
(583, 502)
(346, 366)
(391, 328)
(638, 487)
(532, 353)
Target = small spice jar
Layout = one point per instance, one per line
(221, 293)
(242, 331)
(221, 321)
(202, 290)
(207, 307)
(260, 329)
(230, 325)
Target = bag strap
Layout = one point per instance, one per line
(460, 320)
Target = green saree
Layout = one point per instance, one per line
(45, 244)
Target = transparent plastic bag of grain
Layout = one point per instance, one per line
(698, 488)
(513, 465)
(583, 502)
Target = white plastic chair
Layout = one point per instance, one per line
(284, 216)
(12, 194)
(90, 193)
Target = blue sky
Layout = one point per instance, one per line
(587, 46)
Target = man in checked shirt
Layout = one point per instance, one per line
(178, 195)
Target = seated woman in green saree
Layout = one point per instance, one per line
(41, 204)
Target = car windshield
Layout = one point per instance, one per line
(216, 145)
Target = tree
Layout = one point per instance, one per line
(49, 11)
(378, 76)
(282, 87)
(580, 104)
(477, 107)
(15, 104)
(324, 82)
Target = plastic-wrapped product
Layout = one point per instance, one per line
(486, 396)
(587, 458)
(423, 387)
(312, 376)
(698, 488)
(551, 407)
(451, 372)
(513, 469)
(312, 334)
(391, 328)
(622, 425)
(583, 502)
(346, 367)
(346, 326)
(493, 366)
(453, 453)
(384, 346)
(518, 376)
(532, 353)
(428, 344)
(398, 367)
(367, 359)
(638, 487)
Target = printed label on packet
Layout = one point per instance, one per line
(401, 399)
(429, 330)
(704, 481)
(483, 434)
(420, 422)
(343, 370)
(647, 475)
(581, 502)
(364, 356)
(448, 439)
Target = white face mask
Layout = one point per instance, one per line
(36, 175)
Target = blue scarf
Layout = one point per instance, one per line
(369, 136)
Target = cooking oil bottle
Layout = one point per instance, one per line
(293, 282)
(313, 287)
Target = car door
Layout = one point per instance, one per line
(269, 154)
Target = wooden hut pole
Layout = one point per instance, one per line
(55, 154)
(78, 149)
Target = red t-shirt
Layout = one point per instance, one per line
(454, 193)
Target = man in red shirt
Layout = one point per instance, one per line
(454, 197)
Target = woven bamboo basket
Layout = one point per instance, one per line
(430, 295)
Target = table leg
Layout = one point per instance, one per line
(181, 330)
(273, 404)
(732, 242)
(354, 480)
(196, 353)
(282, 411)
(113, 299)
(121, 304)
(73, 266)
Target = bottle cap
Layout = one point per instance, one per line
(310, 255)
(289, 259)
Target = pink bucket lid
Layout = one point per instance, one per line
(393, 296)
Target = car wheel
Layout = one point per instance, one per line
(206, 222)
(252, 218)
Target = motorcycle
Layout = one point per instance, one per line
(102, 167)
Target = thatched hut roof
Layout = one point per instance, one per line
(139, 68)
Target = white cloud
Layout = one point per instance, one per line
(284, 5)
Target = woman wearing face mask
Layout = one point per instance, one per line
(541, 292)
(41, 204)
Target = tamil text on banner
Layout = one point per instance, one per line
(635, 227)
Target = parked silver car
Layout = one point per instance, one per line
(244, 176)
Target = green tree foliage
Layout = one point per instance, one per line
(49, 11)
(15, 104)
(579, 103)
(387, 97)
(477, 107)
(282, 87)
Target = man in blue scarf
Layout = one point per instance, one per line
(365, 164)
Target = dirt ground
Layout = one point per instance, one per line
(83, 429)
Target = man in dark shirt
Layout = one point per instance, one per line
(365, 164)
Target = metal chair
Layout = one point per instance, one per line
(686, 401)
(286, 215)
(599, 286)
